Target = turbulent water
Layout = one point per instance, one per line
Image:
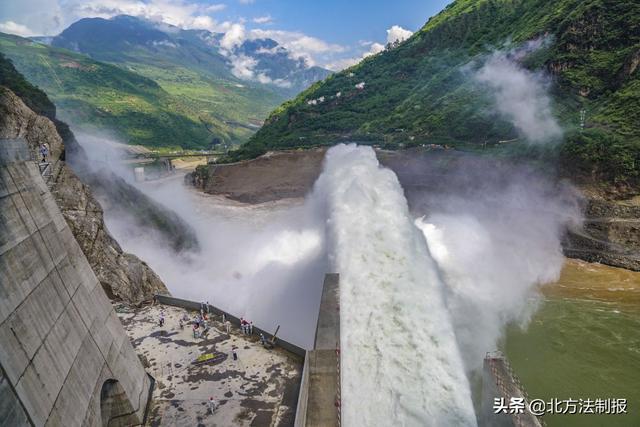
(583, 343)
(400, 359)
(422, 299)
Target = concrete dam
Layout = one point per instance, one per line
(65, 358)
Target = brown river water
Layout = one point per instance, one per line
(583, 343)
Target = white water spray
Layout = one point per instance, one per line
(400, 360)
(494, 248)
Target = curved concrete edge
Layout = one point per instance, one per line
(60, 337)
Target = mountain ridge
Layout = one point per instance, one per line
(161, 87)
(420, 91)
(123, 38)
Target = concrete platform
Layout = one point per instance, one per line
(259, 389)
(319, 403)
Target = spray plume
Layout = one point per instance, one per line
(400, 360)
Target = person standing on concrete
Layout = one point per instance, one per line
(251, 328)
(235, 353)
(227, 325)
(212, 405)
(263, 340)
(208, 308)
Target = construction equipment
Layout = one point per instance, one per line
(272, 342)
(215, 357)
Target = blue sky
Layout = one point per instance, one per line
(330, 33)
(342, 21)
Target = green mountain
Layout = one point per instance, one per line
(104, 182)
(160, 51)
(158, 86)
(423, 90)
(104, 96)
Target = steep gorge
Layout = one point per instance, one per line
(123, 276)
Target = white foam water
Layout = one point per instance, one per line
(401, 365)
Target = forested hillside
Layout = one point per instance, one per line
(119, 102)
(423, 91)
(159, 86)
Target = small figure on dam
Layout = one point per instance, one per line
(212, 405)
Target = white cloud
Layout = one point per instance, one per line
(245, 1)
(181, 13)
(264, 79)
(397, 33)
(267, 19)
(50, 17)
(234, 36)
(298, 44)
(213, 8)
(242, 66)
(15, 28)
(373, 49)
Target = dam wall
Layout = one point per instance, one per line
(65, 359)
(319, 401)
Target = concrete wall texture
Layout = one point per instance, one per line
(319, 399)
(65, 359)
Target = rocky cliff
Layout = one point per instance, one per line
(123, 276)
(274, 176)
(610, 233)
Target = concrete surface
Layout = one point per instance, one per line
(61, 340)
(196, 306)
(259, 389)
(319, 400)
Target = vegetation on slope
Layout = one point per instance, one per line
(106, 97)
(185, 65)
(421, 92)
(33, 97)
(149, 213)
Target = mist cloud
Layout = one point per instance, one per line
(495, 229)
(265, 263)
(521, 96)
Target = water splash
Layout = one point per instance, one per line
(400, 359)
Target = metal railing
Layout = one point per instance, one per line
(511, 385)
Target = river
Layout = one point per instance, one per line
(583, 342)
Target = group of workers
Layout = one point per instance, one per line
(201, 321)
